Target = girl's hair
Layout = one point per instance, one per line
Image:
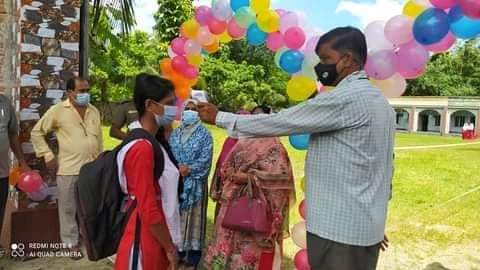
(150, 87)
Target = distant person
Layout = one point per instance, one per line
(123, 116)
(349, 161)
(264, 162)
(8, 141)
(468, 130)
(192, 146)
(158, 214)
(77, 126)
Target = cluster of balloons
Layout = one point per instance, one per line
(285, 33)
(299, 237)
(29, 182)
(400, 48)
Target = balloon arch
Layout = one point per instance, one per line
(399, 49)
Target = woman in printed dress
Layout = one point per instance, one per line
(192, 146)
(264, 161)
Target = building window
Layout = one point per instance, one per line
(437, 120)
(459, 121)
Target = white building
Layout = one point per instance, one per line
(442, 115)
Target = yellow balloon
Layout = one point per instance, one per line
(225, 37)
(259, 5)
(299, 235)
(268, 21)
(189, 29)
(299, 88)
(195, 59)
(413, 9)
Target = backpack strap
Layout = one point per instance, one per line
(140, 133)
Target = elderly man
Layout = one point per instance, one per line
(349, 162)
(8, 140)
(77, 126)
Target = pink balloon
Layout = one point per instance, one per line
(280, 12)
(235, 30)
(471, 8)
(443, 4)
(192, 47)
(380, 65)
(202, 14)
(178, 45)
(180, 63)
(216, 26)
(443, 45)
(411, 60)
(191, 72)
(287, 21)
(301, 260)
(204, 37)
(312, 44)
(275, 41)
(302, 209)
(375, 35)
(294, 38)
(399, 30)
(30, 181)
(39, 195)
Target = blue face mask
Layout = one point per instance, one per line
(169, 114)
(189, 117)
(82, 99)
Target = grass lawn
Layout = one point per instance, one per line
(421, 214)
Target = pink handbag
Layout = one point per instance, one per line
(249, 213)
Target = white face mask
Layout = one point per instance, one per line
(169, 114)
(82, 99)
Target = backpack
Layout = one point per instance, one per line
(103, 210)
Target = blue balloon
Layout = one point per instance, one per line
(237, 4)
(461, 25)
(431, 26)
(255, 36)
(300, 142)
(291, 61)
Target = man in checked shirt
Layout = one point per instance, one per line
(349, 160)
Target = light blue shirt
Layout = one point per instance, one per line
(349, 160)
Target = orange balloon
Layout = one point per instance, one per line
(166, 67)
(14, 175)
(182, 93)
(214, 47)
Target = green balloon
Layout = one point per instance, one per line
(245, 17)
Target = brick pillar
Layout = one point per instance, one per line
(8, 46)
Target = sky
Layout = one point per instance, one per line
(321, 14)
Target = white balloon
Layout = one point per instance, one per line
(221, 10)
(299, 235)
(171, 53)
(375, 35)
(394, 87)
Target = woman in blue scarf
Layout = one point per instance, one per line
(192, 146)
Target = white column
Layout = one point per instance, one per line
(414, 119)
